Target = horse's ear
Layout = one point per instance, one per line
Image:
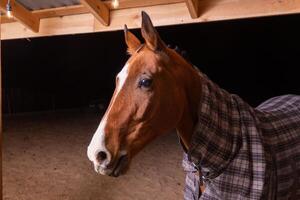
(150, 34)
(133, 43)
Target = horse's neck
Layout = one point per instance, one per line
(185, 127)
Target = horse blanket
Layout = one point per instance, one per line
(243, 152)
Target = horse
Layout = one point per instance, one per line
(231, 150)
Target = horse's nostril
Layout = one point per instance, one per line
(101, 156)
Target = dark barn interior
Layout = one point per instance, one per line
(254, 58)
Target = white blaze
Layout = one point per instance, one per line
(98, 141)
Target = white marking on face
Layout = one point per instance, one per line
(98, 141)
(123, 74)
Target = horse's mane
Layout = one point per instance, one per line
(181, 52)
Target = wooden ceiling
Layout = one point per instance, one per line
(95, 15)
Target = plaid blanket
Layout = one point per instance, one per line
(244, 152)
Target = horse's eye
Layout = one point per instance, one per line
(145, 82)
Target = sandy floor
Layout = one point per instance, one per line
(44, 158)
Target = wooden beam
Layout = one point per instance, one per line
(124, 4)
(22, 15)
(98, 9)
(5, 19)
(178, 14)
(194, 8)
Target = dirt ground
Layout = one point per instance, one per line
(44, 158)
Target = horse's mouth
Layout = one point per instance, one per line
(120, 166)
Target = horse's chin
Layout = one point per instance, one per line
(120, 167)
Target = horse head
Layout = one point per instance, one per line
(151, 98)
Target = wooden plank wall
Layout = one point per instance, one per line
(162, 15)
